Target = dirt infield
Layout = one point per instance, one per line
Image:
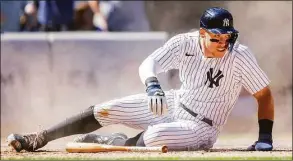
(61, 154)
(225, 147)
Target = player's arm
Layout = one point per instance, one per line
(265, 119)
(148, 71)
(265, 104)
(256, 82)
(162, 59)
(149, 68)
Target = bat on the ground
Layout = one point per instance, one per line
(74, 147)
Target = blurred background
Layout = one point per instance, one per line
(59, 58)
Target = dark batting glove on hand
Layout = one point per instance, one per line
(156, 97)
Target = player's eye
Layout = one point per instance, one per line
(217, 40)
(214, 40)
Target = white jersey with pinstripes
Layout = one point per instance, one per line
(210, 86)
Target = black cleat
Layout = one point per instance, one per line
(100, 139)
(29, 142)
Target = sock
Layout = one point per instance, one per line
(82, 123)
(140, 141)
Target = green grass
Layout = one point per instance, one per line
(154, 158)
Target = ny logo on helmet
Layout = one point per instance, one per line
(226, 22)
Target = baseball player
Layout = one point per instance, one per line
(213, 67)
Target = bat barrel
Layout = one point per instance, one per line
(74, 147)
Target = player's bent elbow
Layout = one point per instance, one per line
(263, 95)
(147, 69)
(265, 103)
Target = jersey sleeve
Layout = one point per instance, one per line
(168, 56)
(253, 77)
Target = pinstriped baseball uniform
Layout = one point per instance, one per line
(210, 88)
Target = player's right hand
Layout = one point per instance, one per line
(156, 97)
(157, 102)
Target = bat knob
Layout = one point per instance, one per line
(164, 149)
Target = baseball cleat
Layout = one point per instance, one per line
(29, 142)
(100, 139)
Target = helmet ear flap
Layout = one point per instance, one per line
(232, 41)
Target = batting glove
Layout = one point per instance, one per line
(264, 143)
(156, 97)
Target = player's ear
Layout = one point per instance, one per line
(202, 32)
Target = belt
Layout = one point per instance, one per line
(206, 120)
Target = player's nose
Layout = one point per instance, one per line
(223, 41)
(223, 45)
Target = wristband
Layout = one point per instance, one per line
(151, 83)
(265, 126)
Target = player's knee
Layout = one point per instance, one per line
(155, 136)
(103, 110)
(106, 113)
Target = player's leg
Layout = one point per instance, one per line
(130, 111)
(82, 123)
(181, 135)
(119, 139)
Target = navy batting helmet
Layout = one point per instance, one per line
(219, 21)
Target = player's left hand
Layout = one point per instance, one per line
(264, 143)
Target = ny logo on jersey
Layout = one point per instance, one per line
(213, 80)
(226, 22)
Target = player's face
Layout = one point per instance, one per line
(215, 45)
